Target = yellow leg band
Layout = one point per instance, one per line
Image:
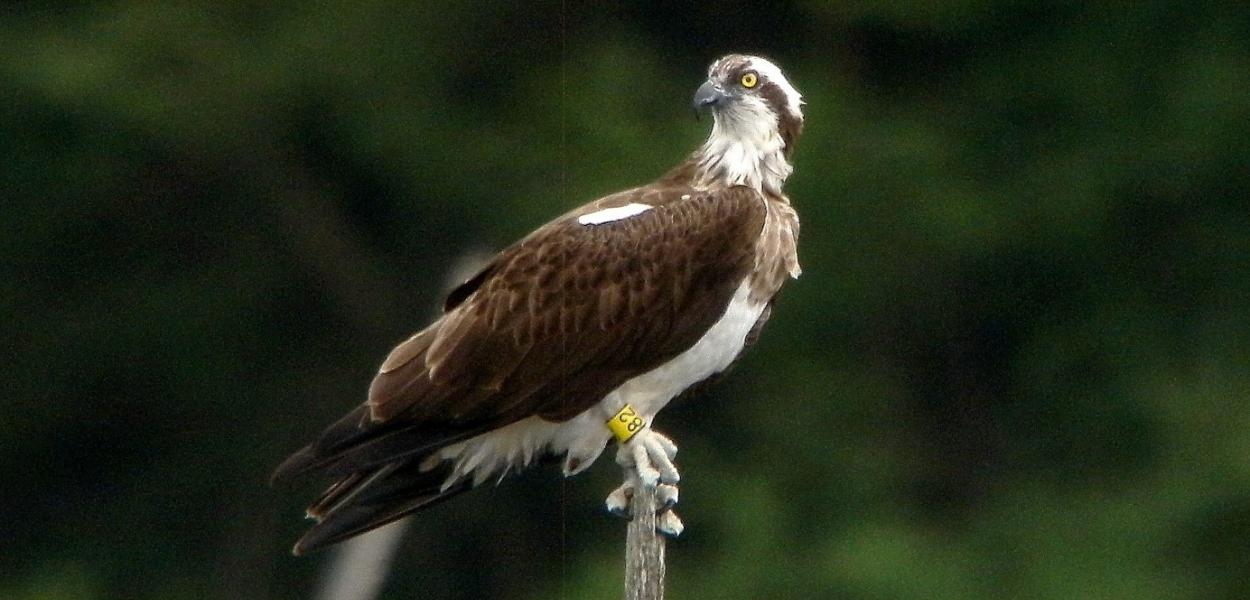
(626, 423)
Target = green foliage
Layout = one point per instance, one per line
(1015, 365)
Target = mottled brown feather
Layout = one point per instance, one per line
(555, 322)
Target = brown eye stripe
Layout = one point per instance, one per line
(790, 126)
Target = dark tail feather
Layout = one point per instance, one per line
(352, 427)
(355, 443)
(377, 468)
(366, 501)
(400, 445)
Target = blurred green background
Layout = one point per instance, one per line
(1017, 364)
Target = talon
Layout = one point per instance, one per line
(665, 497)
(669, 524)
(651, 456)
(618, 501)
(648, 461)
(621, 512)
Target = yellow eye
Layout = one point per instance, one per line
(749, 79)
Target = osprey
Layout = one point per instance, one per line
(581, 332)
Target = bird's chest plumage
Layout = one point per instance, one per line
(711, 354)
(775, 259)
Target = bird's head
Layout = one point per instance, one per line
(757, 116)
(751, 99)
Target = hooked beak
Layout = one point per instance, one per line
(707, 96)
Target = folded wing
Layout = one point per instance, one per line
(553, 324)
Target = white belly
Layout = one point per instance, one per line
(713, 353)
(583, 437)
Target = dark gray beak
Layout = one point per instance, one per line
(707, 96)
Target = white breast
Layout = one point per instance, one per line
(713, 353)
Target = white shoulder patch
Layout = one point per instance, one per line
(608, 215)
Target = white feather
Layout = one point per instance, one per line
(745, 148)
(608, 215)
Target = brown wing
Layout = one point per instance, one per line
(551, 326)
(561, 318)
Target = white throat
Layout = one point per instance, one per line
(745, 148)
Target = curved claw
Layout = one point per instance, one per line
(668, 524)
(618, 501)
(663, 461)
(665, 497)
(648, 460)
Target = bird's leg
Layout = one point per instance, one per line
(647, 460)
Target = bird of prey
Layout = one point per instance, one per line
(581, 332)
